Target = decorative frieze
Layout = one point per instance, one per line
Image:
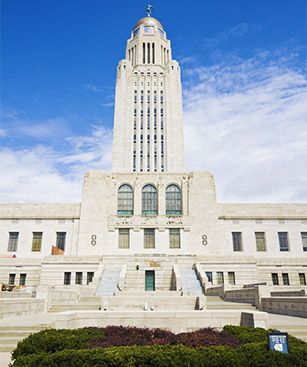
(137, 222)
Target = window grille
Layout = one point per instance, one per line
(231, 277)
(22, 279)
(283, 241)
(275, 279)
(61, 240)
(302, 278)
(13, 241)
(149, 238)
(237, 241)
(260, 241)
(90, 276)
(125, 199)
(173, 200)
(12, 279)
(285, 279)
(37, 241)
(67, 278)
(304, 240)
(220, 277)
(78, 277)
(149, 200)
(174, 237)
(123, 238)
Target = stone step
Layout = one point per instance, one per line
(229, 306)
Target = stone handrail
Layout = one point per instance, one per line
(177, 275)
(201, 278)
(122, 279)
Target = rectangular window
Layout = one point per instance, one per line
(22, 279)
(149, 238)
(260, 241)
(237, 241)
(209, 276)
(60, 240)
(231, 277)
(12, 279)
(123, 238)
(275, 280)
(220, 277)
(67, 278)
(13, 241)
(302, 278)
(304, 240)
(37, 241)
(89, 277)
(285, 279)
(283, 241)
(174, 237)
(78, 277)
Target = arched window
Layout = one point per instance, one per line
(125, 200)
(149, 200)
(173, 200)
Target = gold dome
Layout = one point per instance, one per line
(148, 21)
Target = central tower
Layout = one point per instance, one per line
(148, 121)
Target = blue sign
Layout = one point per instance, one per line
(279, 342)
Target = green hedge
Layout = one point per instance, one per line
(250, 355)
(68, 348)
(52, 340)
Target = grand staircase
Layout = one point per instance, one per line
(108, 282)
(190, 282)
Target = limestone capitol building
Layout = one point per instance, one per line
(149, 244)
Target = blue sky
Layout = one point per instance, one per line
(244, 87)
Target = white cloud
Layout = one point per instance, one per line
(2, 133)
(246, 122)
(42, 174)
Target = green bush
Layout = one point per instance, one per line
(52, 340)
(249, 355)
(69, 348)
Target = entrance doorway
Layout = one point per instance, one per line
(150, 280)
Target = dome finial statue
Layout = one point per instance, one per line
(149, 10)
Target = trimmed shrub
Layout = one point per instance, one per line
(52, 340)
(249, 355)
(121, 336)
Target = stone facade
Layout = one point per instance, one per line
(230, 244)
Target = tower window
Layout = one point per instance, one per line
(78, 279)
(123, 238)
(125, 199)
(149, 238)
(174, 237)
(275, 280)
(260, 241)
(148, 53)
(153, 53)
(302, 278)
(149, 200)
(237, 241)
(173, 200)
(304, 240)
(285, 279)
(143, 53)
(22, 279)
(37, 241)
(283, 241)
(67, 278)
(60, 240)
(13, 241)
(231, 277)
(12, 279)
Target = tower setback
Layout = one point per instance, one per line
(148, 122)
